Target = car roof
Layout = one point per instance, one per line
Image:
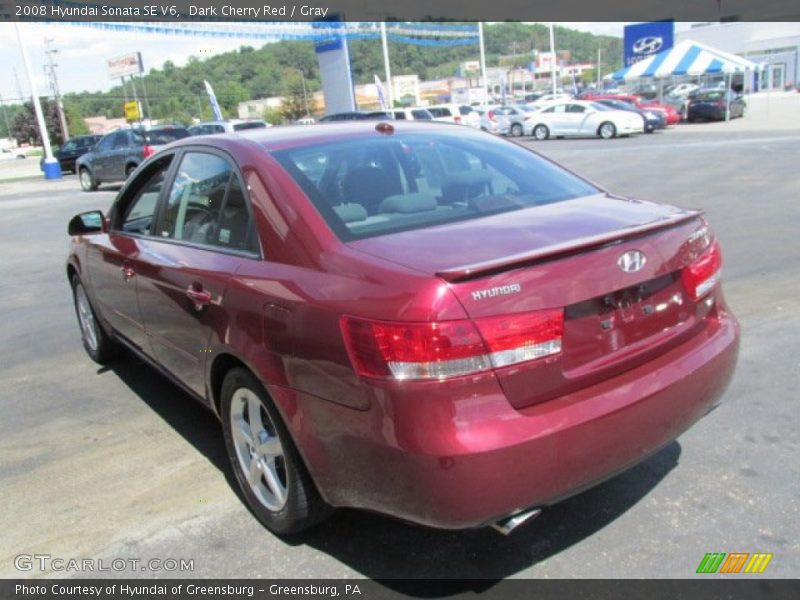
(287, 136)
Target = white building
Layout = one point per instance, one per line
(775, 44)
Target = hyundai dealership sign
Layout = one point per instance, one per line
(645, 39)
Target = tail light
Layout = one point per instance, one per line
(426, 351)
(491, 116)
(148, 151)
(457, 119)
(704, 273)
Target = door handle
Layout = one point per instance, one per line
(199, 296)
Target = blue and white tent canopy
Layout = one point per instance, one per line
(686, 58)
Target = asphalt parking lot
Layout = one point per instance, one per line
(118, 463)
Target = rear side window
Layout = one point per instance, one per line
(421, 114)
(159, 137)
(206, 205)
(249, 125)
(378, 185)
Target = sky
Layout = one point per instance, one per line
(83, 52)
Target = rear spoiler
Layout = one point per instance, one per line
(563, 249)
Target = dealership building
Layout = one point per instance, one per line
(774, 45)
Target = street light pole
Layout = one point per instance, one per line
(52, 170)
(387, 70)
(483, 64)
(552, 59)
(305, 95)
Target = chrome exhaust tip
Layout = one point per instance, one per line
(509, 524)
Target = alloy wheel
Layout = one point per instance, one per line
(259, 449)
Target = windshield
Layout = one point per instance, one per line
(373, 186)
(599, 106)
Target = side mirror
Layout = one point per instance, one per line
(88, 222)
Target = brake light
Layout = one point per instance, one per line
(148, 151)
(491, 115)
(704, 273)
(457, 119)
(426, 351)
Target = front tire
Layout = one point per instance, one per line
(607, 130)
(100, 347)
(541, 132)
(88, 183)
(268, 467)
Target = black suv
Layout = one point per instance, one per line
(118, 154)
(71, 150)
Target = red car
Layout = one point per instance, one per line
(673, 116)
(425, 321)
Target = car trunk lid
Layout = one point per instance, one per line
(568, 256)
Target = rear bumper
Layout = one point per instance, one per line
(457, 455)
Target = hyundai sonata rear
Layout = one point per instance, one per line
(434, 323)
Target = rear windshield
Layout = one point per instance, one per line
(381, 185)
(159, 137)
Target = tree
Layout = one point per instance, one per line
(294, 103)
(25, 129)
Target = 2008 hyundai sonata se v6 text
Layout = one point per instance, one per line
(417, 319)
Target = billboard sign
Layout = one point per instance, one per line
(642, 40)
(133, 110)
(129, 64)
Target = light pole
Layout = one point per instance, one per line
(52, 170)
(305, 95)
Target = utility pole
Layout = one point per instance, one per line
(54, 86)
(5, 117)
(599, 61)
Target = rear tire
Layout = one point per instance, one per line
(268, 468)
(607, 130)
(516, 130)
(88, 182)
(129, 170)
(100, 347)
(541, 132)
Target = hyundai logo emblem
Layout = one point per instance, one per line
(632, 261)
(648, 45)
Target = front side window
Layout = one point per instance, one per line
(138, 206)
(206, 205)
(373, 186)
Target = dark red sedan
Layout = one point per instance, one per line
(417, 319)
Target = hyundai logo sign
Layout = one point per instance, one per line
(632, 261)
(648, 45)
(643, 40)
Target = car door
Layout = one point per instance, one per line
(100, 156)
(205, 231)
(575, 119)
(118, 156)
(115, 259)
(555, 119)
